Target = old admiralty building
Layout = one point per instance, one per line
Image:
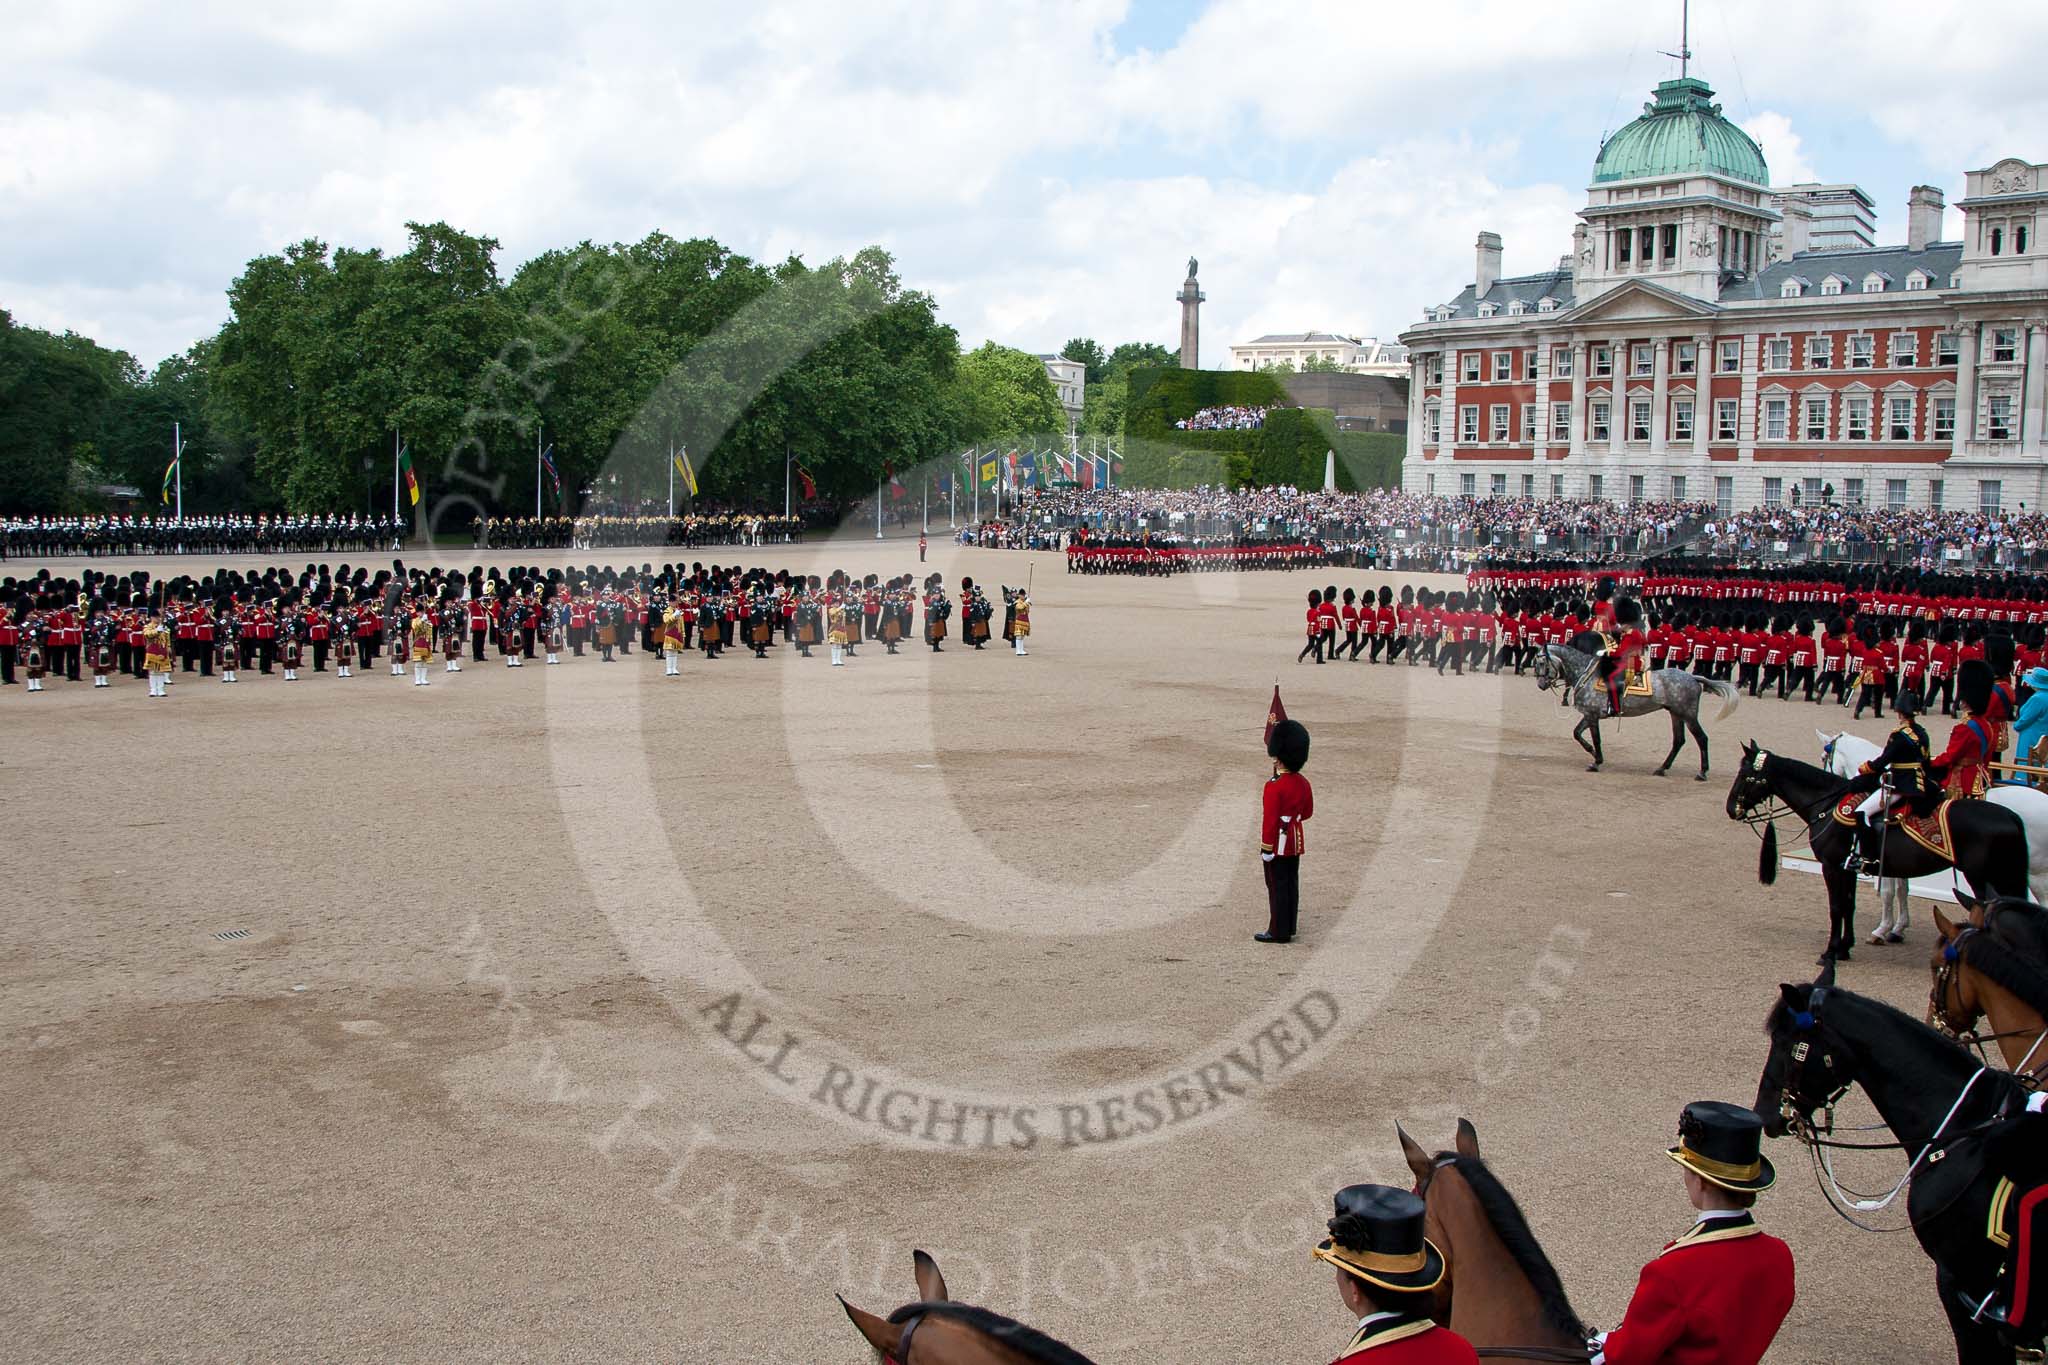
(1696, 346)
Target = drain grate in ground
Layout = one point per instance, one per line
(230, 935)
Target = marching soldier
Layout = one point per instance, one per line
(1721, 1291)
(344, 618)
(936, 610)
(156, 653)
(227, 641)
(101, 630)
(420, 626)
(292, 629)
(1387, 1272)
(1020, 628)
(454, 626)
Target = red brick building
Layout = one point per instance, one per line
(1683, 351)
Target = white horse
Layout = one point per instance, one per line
(1842, 753)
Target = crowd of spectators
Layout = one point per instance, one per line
(1224, 419)
(1919, 536)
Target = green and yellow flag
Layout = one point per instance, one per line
(688, 473)
(985, 472)
(412, 484)
(170, 472)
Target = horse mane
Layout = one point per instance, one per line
(1806, 772)
(2003, 962)
(1512, 1227)
(1028, 1342)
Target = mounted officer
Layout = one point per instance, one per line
(1621, 652)
(1897, 776)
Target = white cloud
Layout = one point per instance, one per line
(1329, 164)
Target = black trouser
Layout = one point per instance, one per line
(1872, 695)
(266, 650)
(1314, 646)
(577, 635)
(7, 653)
(1748, 678)
(319, 656)
(477, 640)
(526, 634)
(1283, 895)
(71, 655)
(1945, 688)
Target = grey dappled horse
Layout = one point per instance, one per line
(1576, 673)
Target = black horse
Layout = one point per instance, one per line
(1990, 841)
(1953, 1118)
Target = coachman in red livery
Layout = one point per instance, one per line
(1386, 1272)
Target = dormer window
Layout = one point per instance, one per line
(1546, 304)
(1791, 289)
(1832, 284)
(1487, 310)
(1516, 308)
(1919, 279)
(1875, 281)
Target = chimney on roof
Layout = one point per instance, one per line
(1798, 211)
(1924, 205)
(1486, 270)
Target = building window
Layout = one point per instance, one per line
(1816, 425)
(1899, 426)
(1635, 488)
(1436, 369)
(1856, 419)
(1529, 486)
(1724, 419)
(1946, 348)
(1603, 362)
(1557, 485)
(1468, 367)
(1831, 285)
(1596, 487)
(1622, 246)
(1944, 419)
(1988, 491)
(2019, 238)
(1468, 485)
(1429, 484)
(1528, 422)
(1641, 361)
(1820, 352)
(1500, 423)
(1678, 488)
(1731, 357)
(1934, 489)
(1487, 310)
(1774, 492)
(1905, 350)
(1560, 422)
(1498, 485)
(1468, 423)
(1561, 363)
(1873, 283)
(1432, 425)
(1895, 493)
(1688, 357)
(1529, 363)
(1639, 419)
(1778, 354)
(1681, 419)
(1997, 240)
(1777, 419)
(2005, 345)
(1600, 423)
(1915, 281)
(1724, 495)
(1998, 418)
(1670, 242)
(1646, 244)
(1812, 491)
(1862, 352)
(1852, 492)
(1503, 366)
(1789, 289)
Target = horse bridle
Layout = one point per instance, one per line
(1945, 978)
(902, 1355)
(1793, 1089)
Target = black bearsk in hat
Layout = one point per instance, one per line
(1628, 612)
(1973, 685)
(1289, 745)
(1998, 654)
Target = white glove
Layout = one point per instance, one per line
(1265, 857)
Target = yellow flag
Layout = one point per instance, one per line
(683, 468)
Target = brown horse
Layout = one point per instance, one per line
(936, 1331)
(1982, 970)
(1513, 1305)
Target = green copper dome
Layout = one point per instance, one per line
(1681, 132)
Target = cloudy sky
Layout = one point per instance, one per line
(1044, 169)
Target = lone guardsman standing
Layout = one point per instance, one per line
(1723, 1288)
(1288, 803)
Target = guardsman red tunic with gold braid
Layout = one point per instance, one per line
(1960, 767)
(1405, 1339)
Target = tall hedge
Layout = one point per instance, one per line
(1289, 449)
(1159, 398)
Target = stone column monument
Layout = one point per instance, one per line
(1190, 297)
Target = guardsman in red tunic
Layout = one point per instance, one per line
(1288, 803)
(1387, 1271)
(2003, 707)
(1960, 768)
(1718, 1294)
(1623, 660)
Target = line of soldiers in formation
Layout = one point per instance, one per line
(1782, 651)
(1158, 555)
(46, 537)
(605, 532)
(227, 623)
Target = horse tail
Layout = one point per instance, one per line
(1726, 692)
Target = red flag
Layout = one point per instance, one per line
(810, 485)
(1274, 714)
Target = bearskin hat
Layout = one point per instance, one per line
(1973, 685)
(1998, 653)
(1628, 612)
(1605, 591)
(1386, 596)
(1289, 744)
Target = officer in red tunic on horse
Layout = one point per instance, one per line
(1718, 1294)
(1961, 768)
(1386, 1270)
(1622, 658)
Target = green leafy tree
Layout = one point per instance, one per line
(1089, 352)
(1321, 364)
(1147, 354)
(1008, 394)
(1276, 367)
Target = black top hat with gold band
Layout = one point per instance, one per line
(1723, 1145)
(1377, 1237)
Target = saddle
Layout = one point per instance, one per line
(2017, 1223)
(1638, 684)
(1931, 832)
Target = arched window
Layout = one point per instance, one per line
(1997, 240)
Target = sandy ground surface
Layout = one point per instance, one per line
(588, 1014)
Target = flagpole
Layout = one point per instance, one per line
(927, 525)
(178, 462)
(536, 473)
(785, 482)
(394, 475)
(671, 480)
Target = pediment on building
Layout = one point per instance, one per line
(1638, 301)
